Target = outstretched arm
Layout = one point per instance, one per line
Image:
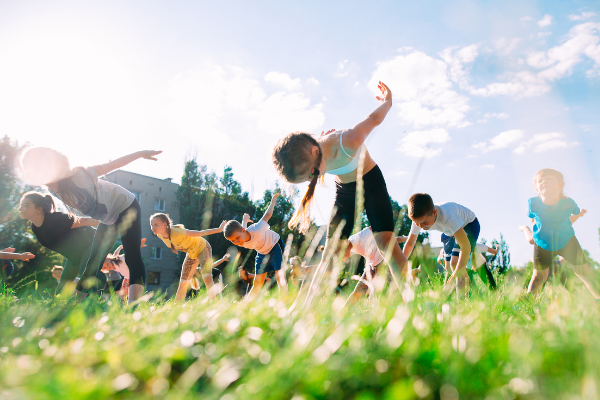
(409, 245)
(104, 169)
(222, 260)
(245, 220)
(205, 232)
(355, 137)
(9, 254)
(575, 217)
(84, 221)
(269, 212)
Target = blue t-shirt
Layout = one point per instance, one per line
(553, 229)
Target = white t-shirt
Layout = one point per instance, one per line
(262, 239)
(450, 218)
(363, 243)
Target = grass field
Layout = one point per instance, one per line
(500, 345)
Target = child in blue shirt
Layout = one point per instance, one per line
(553, 232)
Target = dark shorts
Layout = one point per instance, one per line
(270, 262)
(572, 252)
(451, 248)
(377, 205)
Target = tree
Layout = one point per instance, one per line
(15, 232)
(501, 261)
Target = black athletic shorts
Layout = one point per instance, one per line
(377, 204)
(572, 252)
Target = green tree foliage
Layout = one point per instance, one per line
(501, 261)
(15, 232)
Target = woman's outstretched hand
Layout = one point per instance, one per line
(150, 154)
(385, 91)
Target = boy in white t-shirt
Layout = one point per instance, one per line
(267, 244)
(480, 266)
(363, 243)
(460, 231)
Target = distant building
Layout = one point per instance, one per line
(154, 195)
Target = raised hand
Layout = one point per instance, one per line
(385, 91)
(143, 242)
(222, 226)
(583, 212)
(9, 250)
(150, 154)
(26, 256)
(328, 132)
(226, 256)
(246, 217)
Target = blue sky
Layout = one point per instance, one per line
(485, 93)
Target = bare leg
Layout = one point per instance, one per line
(394, 258)
(187, 271)
(528, 233)
(257, 284)
(135, 292)
(589, 278)
(537, 280)
(281, 281)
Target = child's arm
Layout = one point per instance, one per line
(222, 260)
(575, 217)
(9, 254)
(117, 252)
(245, 220)
(409, 245)
(492, 250)
(269, 212)
(205, 232)
(104, 169)
(84, 221)
(465, 253)
(355, 137)
(401, 239)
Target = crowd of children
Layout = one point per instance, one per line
(101, 211)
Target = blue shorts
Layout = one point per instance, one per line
(270, 262)
(451, 248)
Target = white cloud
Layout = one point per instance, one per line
(313, 81)
(559, 61)
(488, 166)
(545, 141)
(505, 46)
(417, 144)
(522, 84)
(488, 115)
(525, 19)
(501, 141)
(284, 80)
(342, 69)
(542, 35)
(457, 61)
(545, 21)
(422, 91)
(582, 16)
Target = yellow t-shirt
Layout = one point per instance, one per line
(190, 245)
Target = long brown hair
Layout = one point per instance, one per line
(292, 157)
(550, 172)
(67, 196)
(167, 220)
(39, 200)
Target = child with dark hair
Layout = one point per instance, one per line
(553, 234)
(267, 244)
(198, 253)
(300, 157)
(460, 231)
(63, 233)
(116, 208)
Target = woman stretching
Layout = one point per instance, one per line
(116, 208)
(198, 251)
(70, 237)
(300, 157)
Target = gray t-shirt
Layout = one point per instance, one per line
(97, 198)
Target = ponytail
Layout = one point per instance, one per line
(293, 158)
(167, 220)
(302, 217)
(46, 203)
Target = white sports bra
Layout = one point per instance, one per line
(352, 165)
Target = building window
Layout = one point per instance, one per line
(159, 205)
(156, 253)
(136, 194)
(153, 278)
